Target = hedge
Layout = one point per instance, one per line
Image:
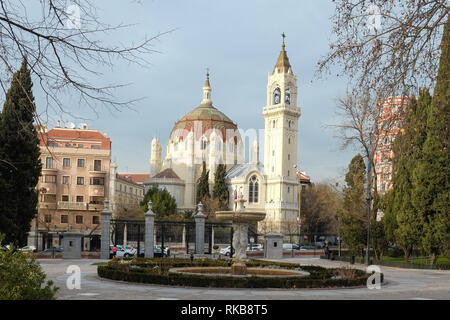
(141, 271)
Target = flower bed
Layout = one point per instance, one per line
(156, 271)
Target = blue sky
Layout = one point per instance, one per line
(239, 41)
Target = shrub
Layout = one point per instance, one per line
(156, 271)
(22, 278)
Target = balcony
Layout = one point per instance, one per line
(96, 206)
(96, 191)
(49, 186)
(49, 170)
(66, 205)
(98, 170)
(47, 205)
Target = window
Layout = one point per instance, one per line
(50, 198)
(80, 146)
(289, 189)
(65, 198)
(65, 179)
(97, 165)
(80, 163)
(289, 173)
(289, 140)
(49, 163)
(50, 179)
(289, 157)
(66, 162)
(274, 124)
(276, 96)
(80, 181)
(64, 218)
(78, 219)
(48, 218)
(204, 143)
(80, 198)
(97, 181)
(68, 145)
(253, 190)
(287, 98)
(95, 147)
(95, 220)
(52, 144)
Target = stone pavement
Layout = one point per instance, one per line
(399, 284)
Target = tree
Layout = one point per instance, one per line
(148, 197)
(407, 150)
(320, 204)
(203, 185)
(164, 204)
(65, 43)
(20, 167)
(390, 46)
(220, 190)
(431, 191)
(353, 226)
(22, 278)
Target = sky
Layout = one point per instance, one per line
(239, 41)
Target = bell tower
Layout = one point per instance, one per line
(281, 116)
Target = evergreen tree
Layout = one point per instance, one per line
(407, 150)
(163, 203)
(20, 165)
(220, 190)
(148, 197)
(431, 183)
(203, 184)
(353, 225)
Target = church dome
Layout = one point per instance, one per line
(204, 120)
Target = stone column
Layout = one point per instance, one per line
(183, 237)
(200, 230)
(106, 227)
(149, 231)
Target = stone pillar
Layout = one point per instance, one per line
(72, 245)
(149, 231)
(106, 228)
(183, 237)
(200, 230)
(125, 240)
(273, 246)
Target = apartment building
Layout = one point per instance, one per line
(72, 187)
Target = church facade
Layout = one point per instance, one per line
(206, 135)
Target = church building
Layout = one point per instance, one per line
(207, 135)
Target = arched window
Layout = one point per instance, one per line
(287, 96)
(276, 96)
(204, 143)
(253, 190)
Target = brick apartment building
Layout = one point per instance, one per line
(72, 187)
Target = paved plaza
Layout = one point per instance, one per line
(399, 284)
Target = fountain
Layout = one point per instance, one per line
(241, 218)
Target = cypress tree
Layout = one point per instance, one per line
(353, 225)
(408, 224)
(220, 190)
(431, 192)
(203, 184)
(20, 165)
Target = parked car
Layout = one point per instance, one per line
(122, 252)
(28, 249)
(226, 251)
(57, 249)
(290, 246)
(304, 248)
(156, 252)
(255, 247)
(131, 249)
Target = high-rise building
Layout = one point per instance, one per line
(389, 124)
(72, 187)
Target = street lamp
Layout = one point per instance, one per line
(42, 191)
(368, 205)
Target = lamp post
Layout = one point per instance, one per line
(368, 205)
(299, 188)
